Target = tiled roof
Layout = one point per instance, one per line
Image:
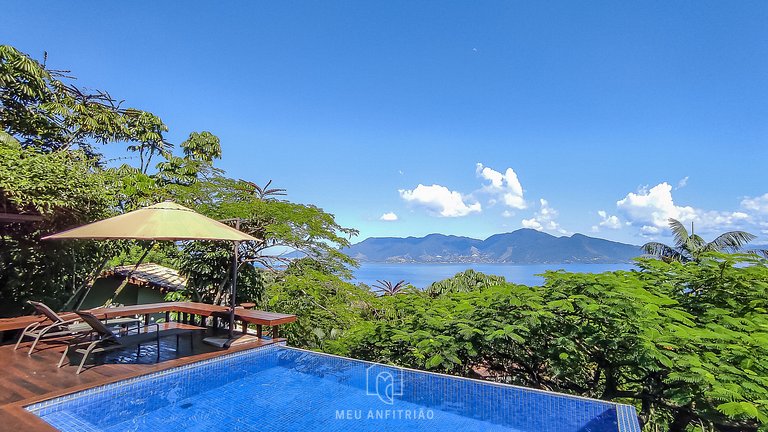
(152, 275)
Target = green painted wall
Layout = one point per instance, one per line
(104, 288)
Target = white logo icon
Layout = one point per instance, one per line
(383, 382)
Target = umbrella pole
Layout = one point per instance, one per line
(233, 297)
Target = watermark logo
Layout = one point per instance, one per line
(385, 383)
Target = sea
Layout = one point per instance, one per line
(422, 275)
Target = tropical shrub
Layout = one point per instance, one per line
(468, 280)
(325, 305)
(685, 343)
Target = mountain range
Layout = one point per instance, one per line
(524, 246)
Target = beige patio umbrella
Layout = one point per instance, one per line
(163, 221)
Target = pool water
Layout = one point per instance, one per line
(277, 388)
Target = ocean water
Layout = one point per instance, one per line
(421, 275)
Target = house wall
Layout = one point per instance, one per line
(146, 295)
(104, 288)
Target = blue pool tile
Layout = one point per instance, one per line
(277, 388)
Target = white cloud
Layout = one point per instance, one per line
(440, 200)
(507, 213)
(758, 204)
(654, 206)
(607, 221)
(533, 224)
(650, 230)
(505, 186)
(651, 209)
(544, 219)
(388, 217)
(682, 183)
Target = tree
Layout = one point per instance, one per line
(280, 225)
(326, 306)
(468, 280)
(45, 111)
(690, 247)
(65, 189)
(686, 343)
(50, 166)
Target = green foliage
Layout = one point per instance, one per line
(66, 189)
(468, 280)
(51, 183)
(282, 225)
(43, 111)
(208, 268)
(49, 166)
(162, 253)
(325, 305)
(685, 343)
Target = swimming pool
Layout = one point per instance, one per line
(277, 388)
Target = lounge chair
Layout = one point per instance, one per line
(59, 326)
(106, 340)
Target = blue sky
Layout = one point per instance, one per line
(616, 114)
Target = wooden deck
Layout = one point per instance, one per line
(25, 380)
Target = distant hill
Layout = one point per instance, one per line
(524, 246)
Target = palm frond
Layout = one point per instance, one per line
(385, 287)
(678, 232)
(695, 243)
(263, 192)
(660, 250)
(266, 191)
(731, 241)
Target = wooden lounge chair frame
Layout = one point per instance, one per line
(60, 326)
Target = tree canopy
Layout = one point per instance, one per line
(50, 135)
(685, 343)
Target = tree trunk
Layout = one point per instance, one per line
(220, 291)
(682, 419)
